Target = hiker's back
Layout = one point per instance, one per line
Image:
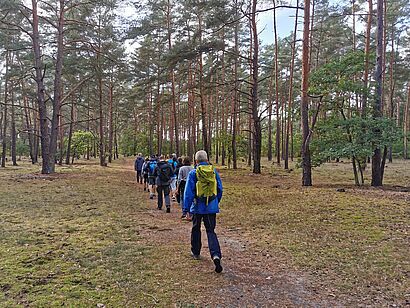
(164, 173)
(204, 202)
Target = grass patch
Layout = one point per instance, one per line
(355, 242)
(87, 236)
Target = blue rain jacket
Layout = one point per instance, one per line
(196, 205)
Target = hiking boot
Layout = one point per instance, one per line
(168, 210)
(217, 262)
(151, 196)
(145, 189)
(195, 257)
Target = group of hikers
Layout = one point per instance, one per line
(197, 190)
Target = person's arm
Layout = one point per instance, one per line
(189, 193)
(219, 186)
(179, 175)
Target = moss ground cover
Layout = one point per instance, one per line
(89, 236)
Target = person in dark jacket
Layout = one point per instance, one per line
(138, 167)
(203, 209)
(163, 173)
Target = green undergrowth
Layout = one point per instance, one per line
(355, 242)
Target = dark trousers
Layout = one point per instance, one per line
(213, 243)
(163, 190)
(139, 176)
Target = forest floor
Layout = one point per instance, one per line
(90, 237)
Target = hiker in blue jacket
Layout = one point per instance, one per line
(150, 168)
(204, 206)
(138, 167)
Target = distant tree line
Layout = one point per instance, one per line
(79, 78)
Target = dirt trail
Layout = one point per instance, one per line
(251, 277)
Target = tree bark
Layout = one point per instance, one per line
(377, 107)
(406, 124)
(270, 107)
(111, 123)
(29, 128)
(290, 97)
(277, 135)
(306, 160)
(366, 63)
(172, 79)
(39, 78)
(57, 88)
(236, 92)
(6, 93)
(391, 88)
(205, 142)
(257, 133)
(70, 135)
(13, 130)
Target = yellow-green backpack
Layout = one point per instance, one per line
(206, 186)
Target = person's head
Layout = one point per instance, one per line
(140, 154)
(147, 158)
(201, 157)
(153, 157)
(180, 160)
(186, 161)
(162, 157)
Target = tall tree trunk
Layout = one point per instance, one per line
(270, 102)
(236, 91)
(205, 142)
(36, 131)
(257, 133)
(39, 78)
(354, 25)
(367, 55)
(306, 160)
(13, 130)
(277, 136)
(172, 78)
(377, 108)
(290, 97)
(6, 93)
(159, 114)
(111, 123)
(57, 88)
(70, 135)
(87, 156)
(101, 123)
(151, 121)
(249, 109)
(101, 145)
(406, 124)
(311, 31)
(223, 115)
(190, 147)
(29, 127)
(391, 88)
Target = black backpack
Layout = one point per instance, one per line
(165, 172)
